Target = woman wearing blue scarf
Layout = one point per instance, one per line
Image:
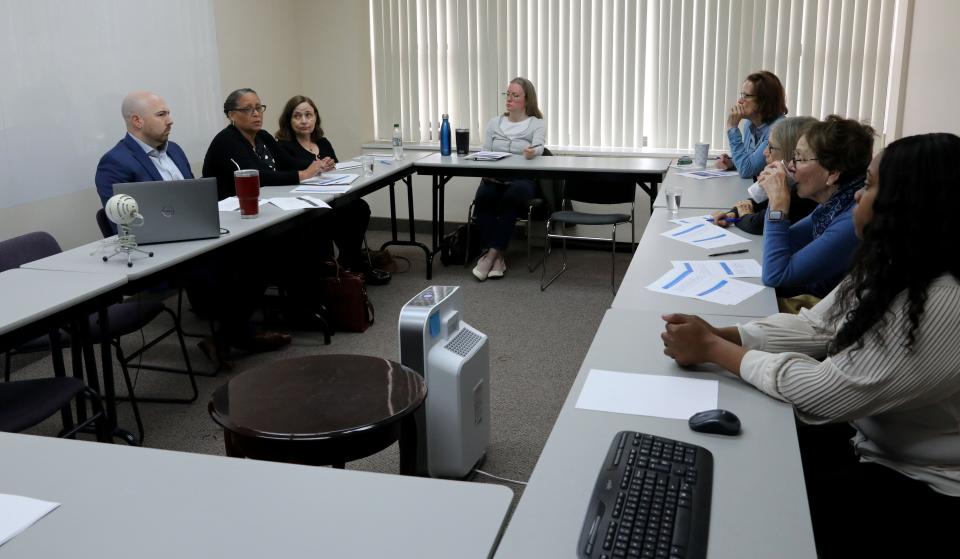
(829, 164)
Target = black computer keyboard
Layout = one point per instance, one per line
(651, 500)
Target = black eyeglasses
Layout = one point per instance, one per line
(746, 95)
(797, 159)
(259, 109)
(772, 147)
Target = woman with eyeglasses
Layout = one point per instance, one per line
(245, 144)
(829, 164)
(873, 370)
(499, 202)
(300, 135)
(762, 103)
(750, 212)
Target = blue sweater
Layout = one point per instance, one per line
(795, 262)
(747, 149)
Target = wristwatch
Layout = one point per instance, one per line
(775, 215)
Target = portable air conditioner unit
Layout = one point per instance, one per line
(454, 359)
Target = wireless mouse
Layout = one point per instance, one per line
(717, 422)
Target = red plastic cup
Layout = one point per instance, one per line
(247, 184)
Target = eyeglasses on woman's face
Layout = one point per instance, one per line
(257, 109)
(798, 158)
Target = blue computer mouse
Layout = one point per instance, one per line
(718, 422)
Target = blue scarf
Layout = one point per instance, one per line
(825, 213)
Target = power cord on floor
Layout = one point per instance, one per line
(483, 473)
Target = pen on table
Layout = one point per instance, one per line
(727, 219)
(741, 251)
(309, 201)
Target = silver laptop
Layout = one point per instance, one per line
(181, 210)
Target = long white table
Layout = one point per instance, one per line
(647, 172)
(119, 502)
(652, 259)
(759, 505)
(708, 194)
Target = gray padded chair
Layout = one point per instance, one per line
(604, 191)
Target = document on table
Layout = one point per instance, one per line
(299, 203)
(232, 204)
(691, 220)
(488, 155)
(19, 513)
(684, 281)
(741, 268)
(329, 179)
(703, 234)
(653, 395)
(708, 174)
(347, 165)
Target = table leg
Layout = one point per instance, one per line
(393, 224)
(60, 370)
(109, 391)
(409, 445)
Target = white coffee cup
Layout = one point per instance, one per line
(700, 151)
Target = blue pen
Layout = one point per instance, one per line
(727, 219)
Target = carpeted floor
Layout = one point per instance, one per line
(537, 343)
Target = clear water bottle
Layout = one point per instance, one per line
(445, 136)
(397, 143)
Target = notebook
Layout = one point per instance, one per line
(181, 210)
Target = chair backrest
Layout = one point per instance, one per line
(26, 248)
(106, 227)
(601, 190)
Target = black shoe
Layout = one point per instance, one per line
(373, 276)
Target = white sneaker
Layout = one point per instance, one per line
(498, 269)
(482, 270)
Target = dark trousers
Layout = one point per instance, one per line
(498, 205)
(868, 510)
(347, 225)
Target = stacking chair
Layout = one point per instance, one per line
(537, 210)
(125, 318)
(25, 403)
(606, 192)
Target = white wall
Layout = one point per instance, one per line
(322, 49)
(932, 76)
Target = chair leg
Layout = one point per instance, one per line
(563, 267)
(131, 396)
(470, 220)
(613, 261)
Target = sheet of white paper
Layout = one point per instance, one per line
(299, 203)
(19, 513)
(653, 395)
(232, 204)
(743, 268)
(708, 174)
(329, 179)
(705, 235)
(347, 165)
(317, 189)
(684, 281)
(691, 220)
(229, 204)
(382, 159)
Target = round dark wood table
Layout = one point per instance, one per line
(321, 410)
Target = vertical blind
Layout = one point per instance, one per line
(625, 73)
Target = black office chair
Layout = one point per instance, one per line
(25, 403)
(538, 209)
(125, 318)
(605, 191)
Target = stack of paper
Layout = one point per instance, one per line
(488, 155)
(710, 281)
(653, 395)
(347, 165)
(330, 179)
(708, 174)
(299, 203)
(19, 513)
(704, 234)
(232, 204)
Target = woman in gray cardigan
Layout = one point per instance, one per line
(499, 202)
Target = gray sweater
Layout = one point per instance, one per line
(904, 405)
(533, 134)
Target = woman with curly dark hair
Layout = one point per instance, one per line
(877, 360)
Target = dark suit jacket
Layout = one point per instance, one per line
(229, 144)
(127, 162)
